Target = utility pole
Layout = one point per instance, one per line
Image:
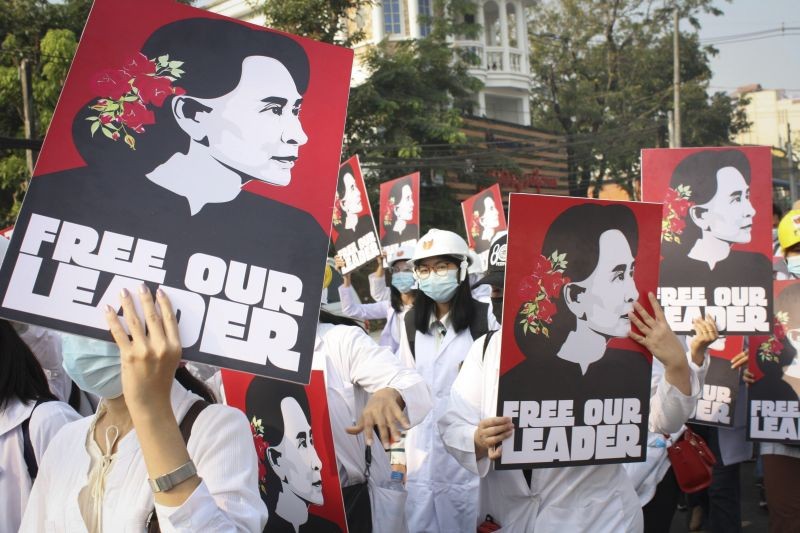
(27, 110)
(670, 129)
(792, 181)
(676, 66)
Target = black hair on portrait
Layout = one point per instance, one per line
(263, 402)
(21, 375)
(480, 205)
(575, 232)
(212, 52)
(347, 168)
(699, 171)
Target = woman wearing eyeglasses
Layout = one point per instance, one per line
(437, 334)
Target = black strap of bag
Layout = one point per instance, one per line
(27, 446)
(186, 431)
(357, 505)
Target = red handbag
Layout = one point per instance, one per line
(488, 525)
(692, 461)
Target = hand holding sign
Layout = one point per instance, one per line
(489, 434)
(739, 361)
(706, 334)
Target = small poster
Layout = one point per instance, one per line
(483, 218)
(197, 154)
(575, 385)
(716, 235)
(353, 234)
(773, 410)
(297, 473)
(718, 402)
(399, 220)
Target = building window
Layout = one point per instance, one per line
(425, 13)
(392, 16)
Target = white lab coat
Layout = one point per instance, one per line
(572, 499)
(221, 445)
(15, 482)
(352, 307)
(442, 496)
(354, 368)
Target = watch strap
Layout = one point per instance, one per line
(176, 477)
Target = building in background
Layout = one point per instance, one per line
(771, 113)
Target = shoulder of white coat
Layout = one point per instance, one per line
(58, 412)
(217, 427)
(71, 438)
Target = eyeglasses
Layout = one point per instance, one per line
(402, 268)
(423, 271)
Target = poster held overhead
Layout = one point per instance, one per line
(576, 387)
(773, 410)
(353, 234)
(399, 217)
(298, 477)
(717, 404)
(715, 232)
(204, 167)
(483, 218)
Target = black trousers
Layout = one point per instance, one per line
(659, 511)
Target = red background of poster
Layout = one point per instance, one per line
(525, 237)
(467, 208)
(106, 45)
(384, 201)
(365, 205)
(658, 164)
(236, 384)
(733, 347)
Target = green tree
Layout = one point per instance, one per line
(329, 21)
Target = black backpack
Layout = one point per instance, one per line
(478, 327)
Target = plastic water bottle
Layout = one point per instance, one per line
(396, 482)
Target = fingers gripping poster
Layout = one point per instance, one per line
(718, 403)
(353, 235)
(297, 473)
(773, 410)
(575, 386)
(483, 218)
(399, 217)
(716, 242)
(203, 166)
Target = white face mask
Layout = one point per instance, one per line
(93, 365)
(438, 288)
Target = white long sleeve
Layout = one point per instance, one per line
(669, 407)
(352, 307)
(378, 289)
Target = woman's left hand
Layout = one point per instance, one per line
(739, 361)
(149, 356)
(656, 334)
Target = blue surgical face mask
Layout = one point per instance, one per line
(440, 289)
(403, 281)
(793, 264)
(93, 365)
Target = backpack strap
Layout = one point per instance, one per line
(186, 431)
(486, 343)
(27, 446)
(411, 331)
(479, 325)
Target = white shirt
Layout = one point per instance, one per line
(383, 310)
(571, 499)
(15, 482)
(221, 447)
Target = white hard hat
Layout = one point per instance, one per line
(404, 253)
(476, 263)
(442, 242)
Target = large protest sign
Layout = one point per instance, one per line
(483, 218)
(298, 476)
(353, 235)
(716, 243)
(198, 154)
(399, 216)
(773, 410)
(576, 387)
(718, 402)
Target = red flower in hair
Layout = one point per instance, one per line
(138, 64)
(112, 84)
(539, 290)
(153, 89)
(552, 283)
(546, 311)
(137, 115)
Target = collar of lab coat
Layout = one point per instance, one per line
(13, 414)
(449, 335)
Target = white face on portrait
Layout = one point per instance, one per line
(298, 463)
(728, 216)
(255, 129)
(405, 207)
(351, 201)
(610, 291)
(491, 216)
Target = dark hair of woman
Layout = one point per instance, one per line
(699, 171)
(212, 52)
(462, 306)
(395, 299)
(326, 317)
(576, 232)
(21, 375)
(192, 384)
(396, 191)
(263, 402)
(341, 188)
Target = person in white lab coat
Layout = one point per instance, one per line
(94, 476)
(30, 417)
(367, 387)
(575, 499)
(442, 496)
(392, 302)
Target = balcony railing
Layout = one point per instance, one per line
(516, 61)
(492, 58)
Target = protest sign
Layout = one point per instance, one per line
(773, 410)
(576, 387)
(353, 234)
(718, 402)
(715, 232)
(483, 218)
(399, 216)
(179, 155)
(297, 473)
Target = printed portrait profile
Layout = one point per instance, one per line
(398, 225)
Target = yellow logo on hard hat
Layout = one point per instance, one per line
(427, 245)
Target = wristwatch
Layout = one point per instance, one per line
(176, 477)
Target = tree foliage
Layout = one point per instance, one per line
(329, 21)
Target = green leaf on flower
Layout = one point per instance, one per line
(91, 118)
(107, 133)
(95, 126)
(175, 64)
